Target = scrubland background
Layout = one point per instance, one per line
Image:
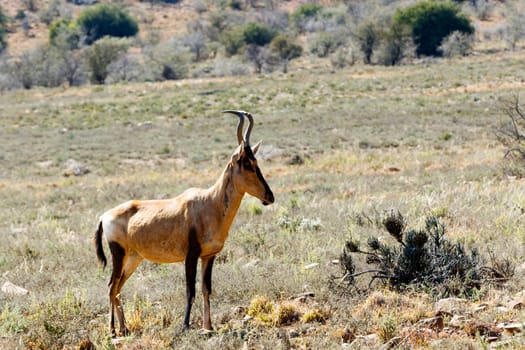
(339, 143)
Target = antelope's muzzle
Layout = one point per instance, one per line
(269, 198)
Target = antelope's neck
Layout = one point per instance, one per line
(228, 198)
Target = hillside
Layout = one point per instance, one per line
(342, 147)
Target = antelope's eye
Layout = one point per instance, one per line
(246, 164)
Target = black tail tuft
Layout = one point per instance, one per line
(98, 245)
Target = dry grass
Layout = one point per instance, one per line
(414, 138)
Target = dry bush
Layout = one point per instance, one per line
(424, 259)
(512, 134)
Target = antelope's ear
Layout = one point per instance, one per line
(239, 152)
(256, 147)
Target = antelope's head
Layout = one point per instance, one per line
(247, 176)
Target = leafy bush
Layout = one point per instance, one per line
(396, 44)
(368, 36)
(514, 28)
(285, 49)
(423, 259)
(257, 34)
(322, 44)
(46, 65)
(106, 20)
(430, 22)
(304, 13)
(233, 40)
(55, 10)
(168, 62)
(64, 32)
(249, 34)
(3, 29)
(101, 54)
(457, 44)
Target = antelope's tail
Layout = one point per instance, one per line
(98, 245)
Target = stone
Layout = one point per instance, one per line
(452, 306)
(434, 323)
(458, 321)
(74, 168)
(12, 289)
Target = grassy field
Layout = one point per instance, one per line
(418, 139)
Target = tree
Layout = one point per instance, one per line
(106, 19)
(368, 35)
(196, 43)
(430, 22)
(303, 13)
(3, 29)
(257, 34)
(396, 44)
(285, 49)
(101, 54)
(64, 32)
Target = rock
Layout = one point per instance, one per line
(370, 340)
(46, 164)
(515, 304)
(311, 266)
(434, 323)
(481, 307)
(484, 329)
(145, 124)
(452, 306)
(12, 289)
(251, 264)
(74, 168)
(458, 321)
(502, 309)
(512, 328)
(301, 298)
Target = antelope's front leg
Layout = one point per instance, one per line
(206, 267)
(192, 258)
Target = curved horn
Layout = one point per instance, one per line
(250, 127)
(240, 114)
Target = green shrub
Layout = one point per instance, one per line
(395, 45)
(368, 35)
(64, 32)
(251, 33)
(432, 21)
(285, 49)
(106, 20)
(233, 40)
(303, 13)
(257, 34)
(101, 54)
(3, 29)
(322, 44)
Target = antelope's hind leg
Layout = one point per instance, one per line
(117, 254)
(132, 261)
(124, 264)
